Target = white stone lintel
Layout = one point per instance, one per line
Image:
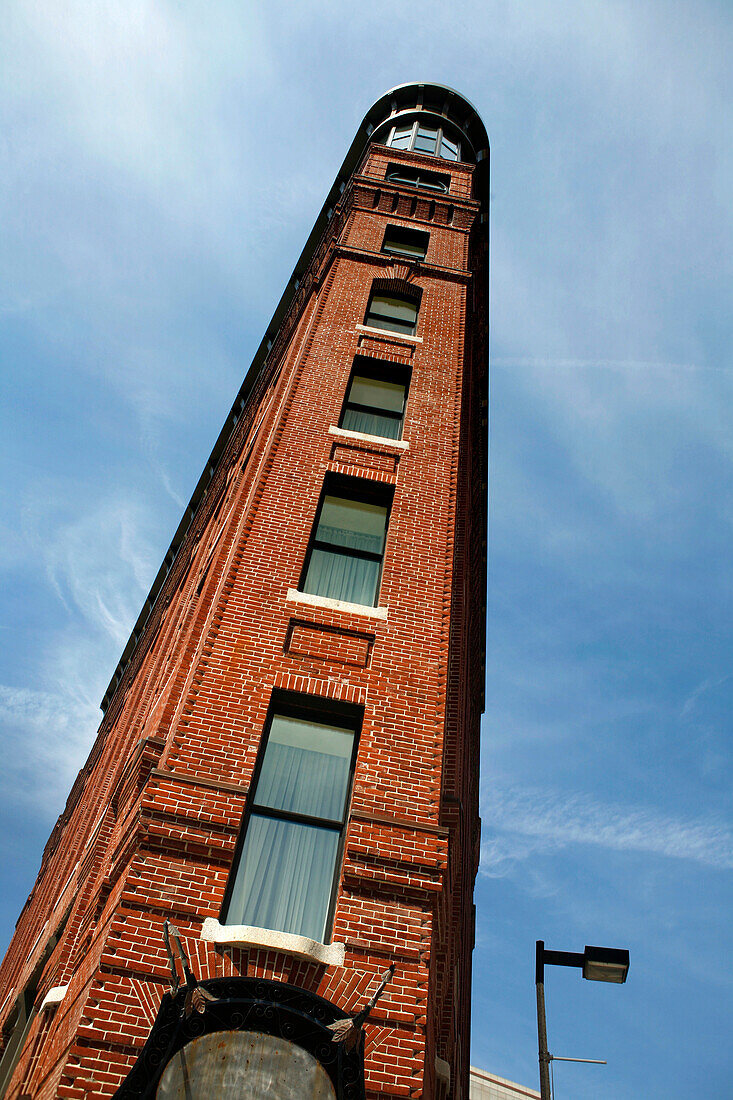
(294, 596)
(362, 437)
(54, 997)
(244, 935)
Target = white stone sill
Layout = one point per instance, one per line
(389, 334)
(442, 1072)
(244, 935)
(54, 997)
(294, 596)
(361, 437)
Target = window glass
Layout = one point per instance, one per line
(285, 872)
(431, 184)
(377, 393)
(306, 768)
(344, 558)
(403, 241)
(375, 400)
(410, 177)
(392, 313)
(448, 149)
(425, 140)
(285, 876)
(401, 137)
(352, 523)
(339, 577)
(371, 423)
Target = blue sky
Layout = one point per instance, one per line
(162, 165)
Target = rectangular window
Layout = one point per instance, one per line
(344, 560)
(285, 875)
(393, 312)
(401, 241)
(375, 399)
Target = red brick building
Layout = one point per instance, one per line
(287, 767)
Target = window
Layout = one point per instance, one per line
(394, 312)
(401, 241)
(375, 399)
(344, 559)
(285, 874)
(425, 181)
(422, 137)
(25, 1010)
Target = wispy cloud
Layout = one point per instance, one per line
(45, 738)
(99, 563)
(526, 822)
(605, 364)
(702, 689)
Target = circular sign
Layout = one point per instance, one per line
(229, 1064)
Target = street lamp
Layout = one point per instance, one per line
(599, 964)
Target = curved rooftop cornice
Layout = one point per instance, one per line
(435, 100)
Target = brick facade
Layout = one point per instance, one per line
(151, 825)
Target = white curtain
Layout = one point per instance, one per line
(285, 877)
(356, 420)
(341, 577)
(304, 782)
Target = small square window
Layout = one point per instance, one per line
(375, 399)
(401, 241)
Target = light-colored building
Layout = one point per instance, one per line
(487, 1086)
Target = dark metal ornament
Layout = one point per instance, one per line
(196, 996)
(348, 1031)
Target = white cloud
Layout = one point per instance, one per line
(708, 685)
(100, 565)
(530, 822)
(46, 736)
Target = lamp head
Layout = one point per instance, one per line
(605, 964)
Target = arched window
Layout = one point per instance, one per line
(392, 311)
(425, 181)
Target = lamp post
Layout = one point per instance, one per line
(599, 964)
